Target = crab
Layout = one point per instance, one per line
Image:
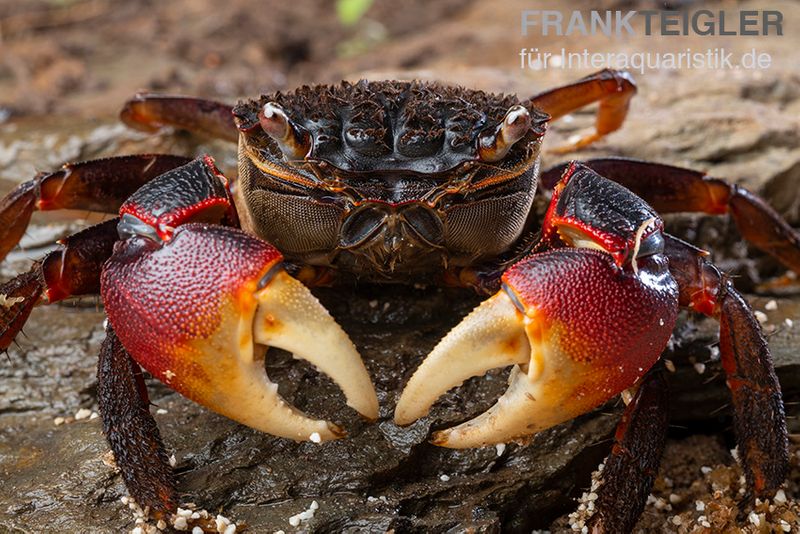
(397, 182)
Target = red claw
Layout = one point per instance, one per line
(581, 322)
(161, 299)
(199, 311)
(611, 324)
(579, 329)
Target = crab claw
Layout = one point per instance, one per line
(578, 330)
(198, 312)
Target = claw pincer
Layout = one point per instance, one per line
(581, 319)
(197, 304)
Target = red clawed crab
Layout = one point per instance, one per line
(394, 182)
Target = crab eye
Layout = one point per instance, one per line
(293, 140)
(495, 145)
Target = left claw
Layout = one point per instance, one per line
(199, 311)
(197, 305)
(578, 329)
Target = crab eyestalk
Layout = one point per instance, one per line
(494, 146)
(292, 139)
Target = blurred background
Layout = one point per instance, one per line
(85, 56)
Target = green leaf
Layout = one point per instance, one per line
(351, 11)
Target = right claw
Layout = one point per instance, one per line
(199, 311)
(577, 330)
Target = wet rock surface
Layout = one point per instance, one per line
(381, 477)
(55, 479)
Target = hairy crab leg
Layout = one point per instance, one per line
(131, 430)
(151, 112)
(19, 296)
(758, 413)
(71, 270)
(631, 468)
(674, 189)
(612, 88)
(99, 185)
(581, 320)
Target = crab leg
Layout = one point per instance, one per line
(72, 270)
(131, 430)
(198, 304)
(758, 414)
(582, 319)
(612, 88)
(674, 189)
(98, 185)
(151, 112)
(631, 468)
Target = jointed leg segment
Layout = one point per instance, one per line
(758, 416)
(131, 430)
(100, 185)
(71, 270)
(632, 466)
(151, 112)
(612, 88)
